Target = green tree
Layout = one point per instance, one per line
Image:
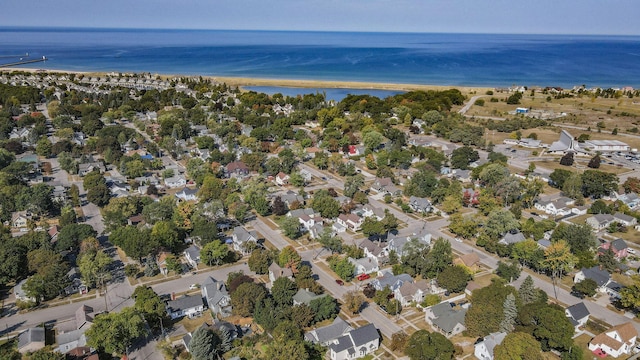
(245, 298)
(94, 268)
(484, 317)
(463, 156)
(580, 238)
(423, 345)
(421, 184)
(499, 223)
(259, 261)
(324, 308)
(44, 147)
(286, 350)
(567, 159)
(510, 312)
(70, 236)
(586, 286)
(214, 253)
(558, 260)
(508, 271)
(597, 183)
(527, 291)
(204, 344)
(572, 187)
(326, 205)
(559, 176)
(283, 290)
(353, 301)
(114, 332)
(594, 163)
(342, 267)
(518, 346)
(353, 184)
(147, 302)
(372, 140)
(290, 226)
(454, 278)
(553, 330)
(439, 258)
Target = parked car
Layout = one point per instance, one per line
(339, 282)
(363, 277)
(194, 286)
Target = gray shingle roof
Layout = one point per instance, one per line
(600, 276)
(577, 312)
(185, 302)
(492, 340)
(29, 336)
(328, 333)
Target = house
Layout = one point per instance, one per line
(618, 246)
(446, 319)
(632, 200)
(306, 175)
(471, 261)
(420, 205)
(190, 306)
(385, 186)
(624, 219)
(276, 272)
(558, 207)
(365, 265)
(512, 237)
(387, 279)
(176, 181)
(597, 274)
(71, 340)
(350, 221)
(483, 349)
(304, 296)
(162, 262)
(85, 168)
(373, 250)
(31, 340)
(462, 175)
(216, 297)
(241, 237)
(20, 219)
(84, 317)
(412, 292)
(282, 179)
(307, 222)
(237, 169)
(600, 221)
(399, 242)
(53, 233)
(187, 194)
(135, 220)
(192, 254)
(371, 211)
(327, 334)
(470, 197)
(578, 314)
(75, 283)
(290, 197)
(355, 344)
(338, 228)
(317, 230)
(618, 340)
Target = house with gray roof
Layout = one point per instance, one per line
(276, 272)
(356, 343)
(31, 340)
(241, 237)
(187, 194)
(625, 219)
(71, 340)
(632, 200)
(373, 250)
(483, 350)
(600, 276)
(420, 205)
(304, 296)
(216, 296)
(192, 254)
(392, 281)
(600, 221)
(327, 334)
(578, 314)
(364, 265)
(446, 319)
(190, 306)
(399, 242)
(512, 237)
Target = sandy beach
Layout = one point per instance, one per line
(296, 83)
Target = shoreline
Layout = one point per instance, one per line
(289, 83)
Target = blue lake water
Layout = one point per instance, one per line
(330, 93)
(438, 59)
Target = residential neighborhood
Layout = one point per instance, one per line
(190, 210)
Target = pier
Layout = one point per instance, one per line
(23, 62)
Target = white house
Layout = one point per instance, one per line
(20, 219)
(483, 350)
(276, 272)
(187, 194)
(578, 314)
(350, 221)
(616, 341)
(412, 292)
(373, 250)
(190, 306)
(371, 211)
(600, 276)
(558, 207)
(600, 221)
(444, 318)
(216, 296)
(282, 179)
(241, 237)
(355, 344)
(328, 334)
(365, 265)
(192, 254)
(176, 181)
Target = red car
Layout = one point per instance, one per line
(362, 277)
(600, 353)
(339, 282)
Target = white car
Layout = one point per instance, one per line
(458, 239)
(193, 286)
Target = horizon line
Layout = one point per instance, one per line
(301, 31)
